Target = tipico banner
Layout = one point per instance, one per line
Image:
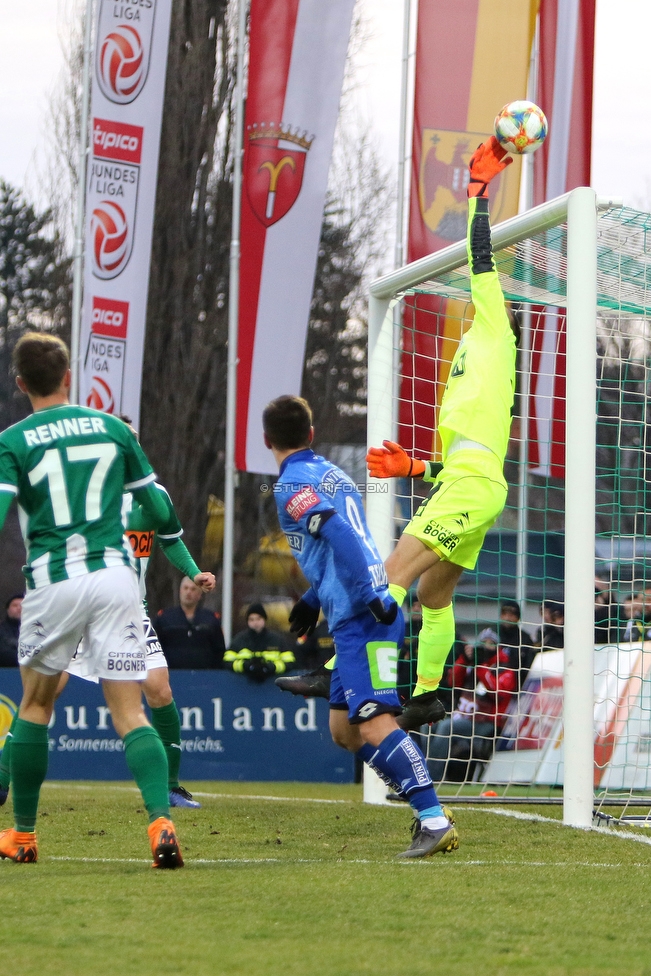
(296, 68)
(463, 78)
(130, 59)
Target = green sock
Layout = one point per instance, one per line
(145, 756)
(434, 643)
(167, 722)
(29, 756)
(398, 593)
(5, 767)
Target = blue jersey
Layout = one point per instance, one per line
(309, 485)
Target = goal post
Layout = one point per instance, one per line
(562, 274)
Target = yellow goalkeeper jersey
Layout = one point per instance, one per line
(479, 393)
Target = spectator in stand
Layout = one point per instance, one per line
(609, 616)
(518, 642)
(550, 635)
(257, 652)
(9, 631)
(636, 613)
(484, 683)
(190, 635)
(312, 652)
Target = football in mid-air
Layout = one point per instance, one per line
(521, 127)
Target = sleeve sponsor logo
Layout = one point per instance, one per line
(141, 543)
(301, 502)
(117, 140)
(110, 318)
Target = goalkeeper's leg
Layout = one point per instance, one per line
(410, 559)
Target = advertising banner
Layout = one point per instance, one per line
(231, 729)
(530, 749)
(462, 81)
(296, 68)
(130, 60)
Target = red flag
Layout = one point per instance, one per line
(565, 84)
(296, 66)
(461, 83)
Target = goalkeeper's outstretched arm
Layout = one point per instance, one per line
(488, 160)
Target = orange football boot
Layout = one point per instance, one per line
(164, 845)
(19, 847)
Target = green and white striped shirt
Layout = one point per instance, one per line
(69, 467)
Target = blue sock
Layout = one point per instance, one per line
(399, 760)
(366, 754)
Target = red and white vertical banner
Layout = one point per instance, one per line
(130, 61)
(296, 68)
(461, 82)
(564, 91)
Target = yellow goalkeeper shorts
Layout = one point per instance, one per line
(464, 503)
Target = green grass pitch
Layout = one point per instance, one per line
(307, 886)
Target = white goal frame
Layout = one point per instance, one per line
(579, 209)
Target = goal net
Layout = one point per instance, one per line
(569, 555)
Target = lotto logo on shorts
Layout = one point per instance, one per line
(441, 535)
(141, 543)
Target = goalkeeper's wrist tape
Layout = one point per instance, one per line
(477, 188)
(432, 470)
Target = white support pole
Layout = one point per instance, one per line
(526, 201)
(78, 246)
(580, 475)
(233, 315)
(380, 492)
(384, 347)
(523, 461)
(402, 138)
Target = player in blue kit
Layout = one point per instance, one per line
(321, 514)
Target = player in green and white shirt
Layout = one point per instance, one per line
(69, 467)
(156, 686)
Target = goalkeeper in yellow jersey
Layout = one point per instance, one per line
(469, 491)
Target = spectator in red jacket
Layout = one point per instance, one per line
(486, 684)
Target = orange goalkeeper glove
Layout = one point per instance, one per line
(390, 461)
(487, 161)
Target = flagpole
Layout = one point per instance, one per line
(78, 248)
(230, 473)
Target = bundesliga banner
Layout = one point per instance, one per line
(565, 83)
(472, 57)
(296, 67)
(126, 115)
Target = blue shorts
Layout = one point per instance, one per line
(364, 679)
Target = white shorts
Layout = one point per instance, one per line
(155, 657)
(101, 609)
